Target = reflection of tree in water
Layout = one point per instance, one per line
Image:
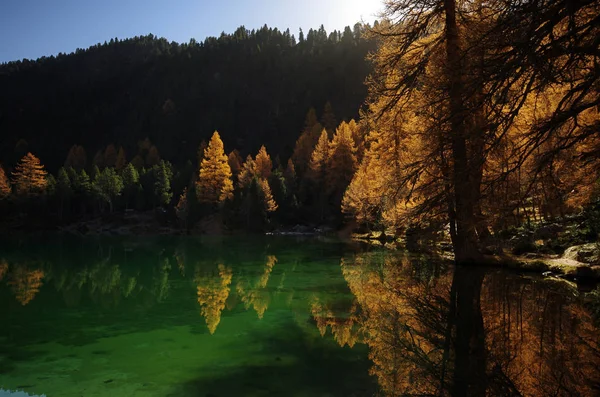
(129, 285)
(161, 280)
(3, 268)
(540, 336)
(180, 259)
(104, 279)
(25, 282)
(391, 327)
(213, 291)
(256, 295)
(468, 333)
(344, 329)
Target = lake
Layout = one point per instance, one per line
(282, 316)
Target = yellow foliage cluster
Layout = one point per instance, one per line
(212, 294)
(407, 171)
(333, 163)
(259, 168)
(344, 329)
(534, 340)
(307, 141)
(263, 163)
(29, 176)
(256, 296)
(25, 283)
(214, 183)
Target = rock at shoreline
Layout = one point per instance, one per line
(586, 253)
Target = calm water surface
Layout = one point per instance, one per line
(262, 316)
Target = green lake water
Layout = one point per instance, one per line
(282, 316)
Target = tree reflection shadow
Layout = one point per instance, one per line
(469, 331)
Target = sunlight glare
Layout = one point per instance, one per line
(360, 10)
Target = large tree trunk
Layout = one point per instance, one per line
(465, 241)
(479, 129)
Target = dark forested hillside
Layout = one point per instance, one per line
(255, 87)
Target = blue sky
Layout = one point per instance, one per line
(33, 28)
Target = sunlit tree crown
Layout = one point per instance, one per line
(29, 176)
(263, 163)
(214, 184)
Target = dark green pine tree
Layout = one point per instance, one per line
(162, 185)
(108, 186)
(131, 183)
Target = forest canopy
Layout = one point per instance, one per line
(253, 86)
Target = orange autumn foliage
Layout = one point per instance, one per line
(212, 293)
(5, 189)
(214, 183)
(29, 176)
(25, 283)
(263, 163)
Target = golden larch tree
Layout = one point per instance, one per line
(290, 173)
(235, 162)
(263, 162)
(247, 173)
(341, 162)
(318, 160)
(214, 184)
(267, 195)
(5, 189)
(29, 176)
(201, 150)
(359, 132)
(306, 142)
(362, 198)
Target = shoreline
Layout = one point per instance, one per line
(146, 225)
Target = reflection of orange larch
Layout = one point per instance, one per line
(3, 268)
(540, 336)
(264, 278)
(256, 296)
(388, 323)
(343, 328)
(539, 339)
(212, 295)
(25, 283)
(180, 258)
